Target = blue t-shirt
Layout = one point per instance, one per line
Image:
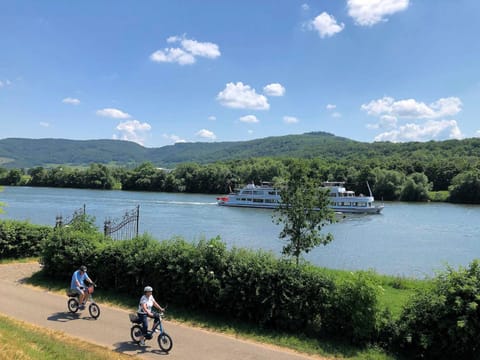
(80, 277)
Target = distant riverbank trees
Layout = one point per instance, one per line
(414, 179)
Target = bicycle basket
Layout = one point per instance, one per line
(133, 318)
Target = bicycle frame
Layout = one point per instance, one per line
(73, 303)
(164, 340)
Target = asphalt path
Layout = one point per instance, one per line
(112, 328)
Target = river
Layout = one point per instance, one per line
(407, 239)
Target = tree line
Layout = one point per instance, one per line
(393, 178)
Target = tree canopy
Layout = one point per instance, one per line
(303, 212)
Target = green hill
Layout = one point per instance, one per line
(28, 153)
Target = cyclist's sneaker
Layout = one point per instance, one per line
(142, 342)
(81, 307)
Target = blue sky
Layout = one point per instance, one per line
(159, 72)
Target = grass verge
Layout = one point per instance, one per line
(22, 341)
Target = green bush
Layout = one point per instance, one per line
(20, 239)
(250, 285)
(355, 308)
(444, 322)
(66, 249)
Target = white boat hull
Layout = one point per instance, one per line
(267, 197)
(341, 209)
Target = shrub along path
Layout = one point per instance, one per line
(112, 328)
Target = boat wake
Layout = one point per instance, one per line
(195, 203)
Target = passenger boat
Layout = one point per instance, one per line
(266, 196)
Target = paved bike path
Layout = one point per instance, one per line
(112, 328)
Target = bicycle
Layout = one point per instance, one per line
(73, 303)
(164, 340)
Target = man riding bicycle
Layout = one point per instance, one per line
(78, 285)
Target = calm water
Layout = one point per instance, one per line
(406, 239)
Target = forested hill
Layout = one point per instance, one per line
(28, 153)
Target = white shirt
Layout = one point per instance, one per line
(145, 300)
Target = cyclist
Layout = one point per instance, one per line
(78, 284)
(145, 310)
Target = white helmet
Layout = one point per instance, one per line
(147, 288)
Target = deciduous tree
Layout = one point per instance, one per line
(303, 212)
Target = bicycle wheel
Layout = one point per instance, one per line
(136, 333)
(94, 310)
(165, 342)
(72, 305)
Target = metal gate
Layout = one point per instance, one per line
(77, 214)
(124, 228)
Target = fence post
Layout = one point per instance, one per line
(58, 221)
(106, 227)
(138, 217)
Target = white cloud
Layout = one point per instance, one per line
(388, 121)
(326, 25)
(305, 7)
(336, 114)
(431, 129)
(412, 109)
(206, 134)
(251, 119)
(172, 55)
(274, 89)
(370, 12)
(290, 120)
(175, 138)
(477, 134)
(205, 49)
(133, 130)
(239, 96)
(173, 39)
(331, 106)
(385, 122)
(113, 113)
(212, 118)
(71, 101)
(188, 52)
(392, 116)
(44, 124)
